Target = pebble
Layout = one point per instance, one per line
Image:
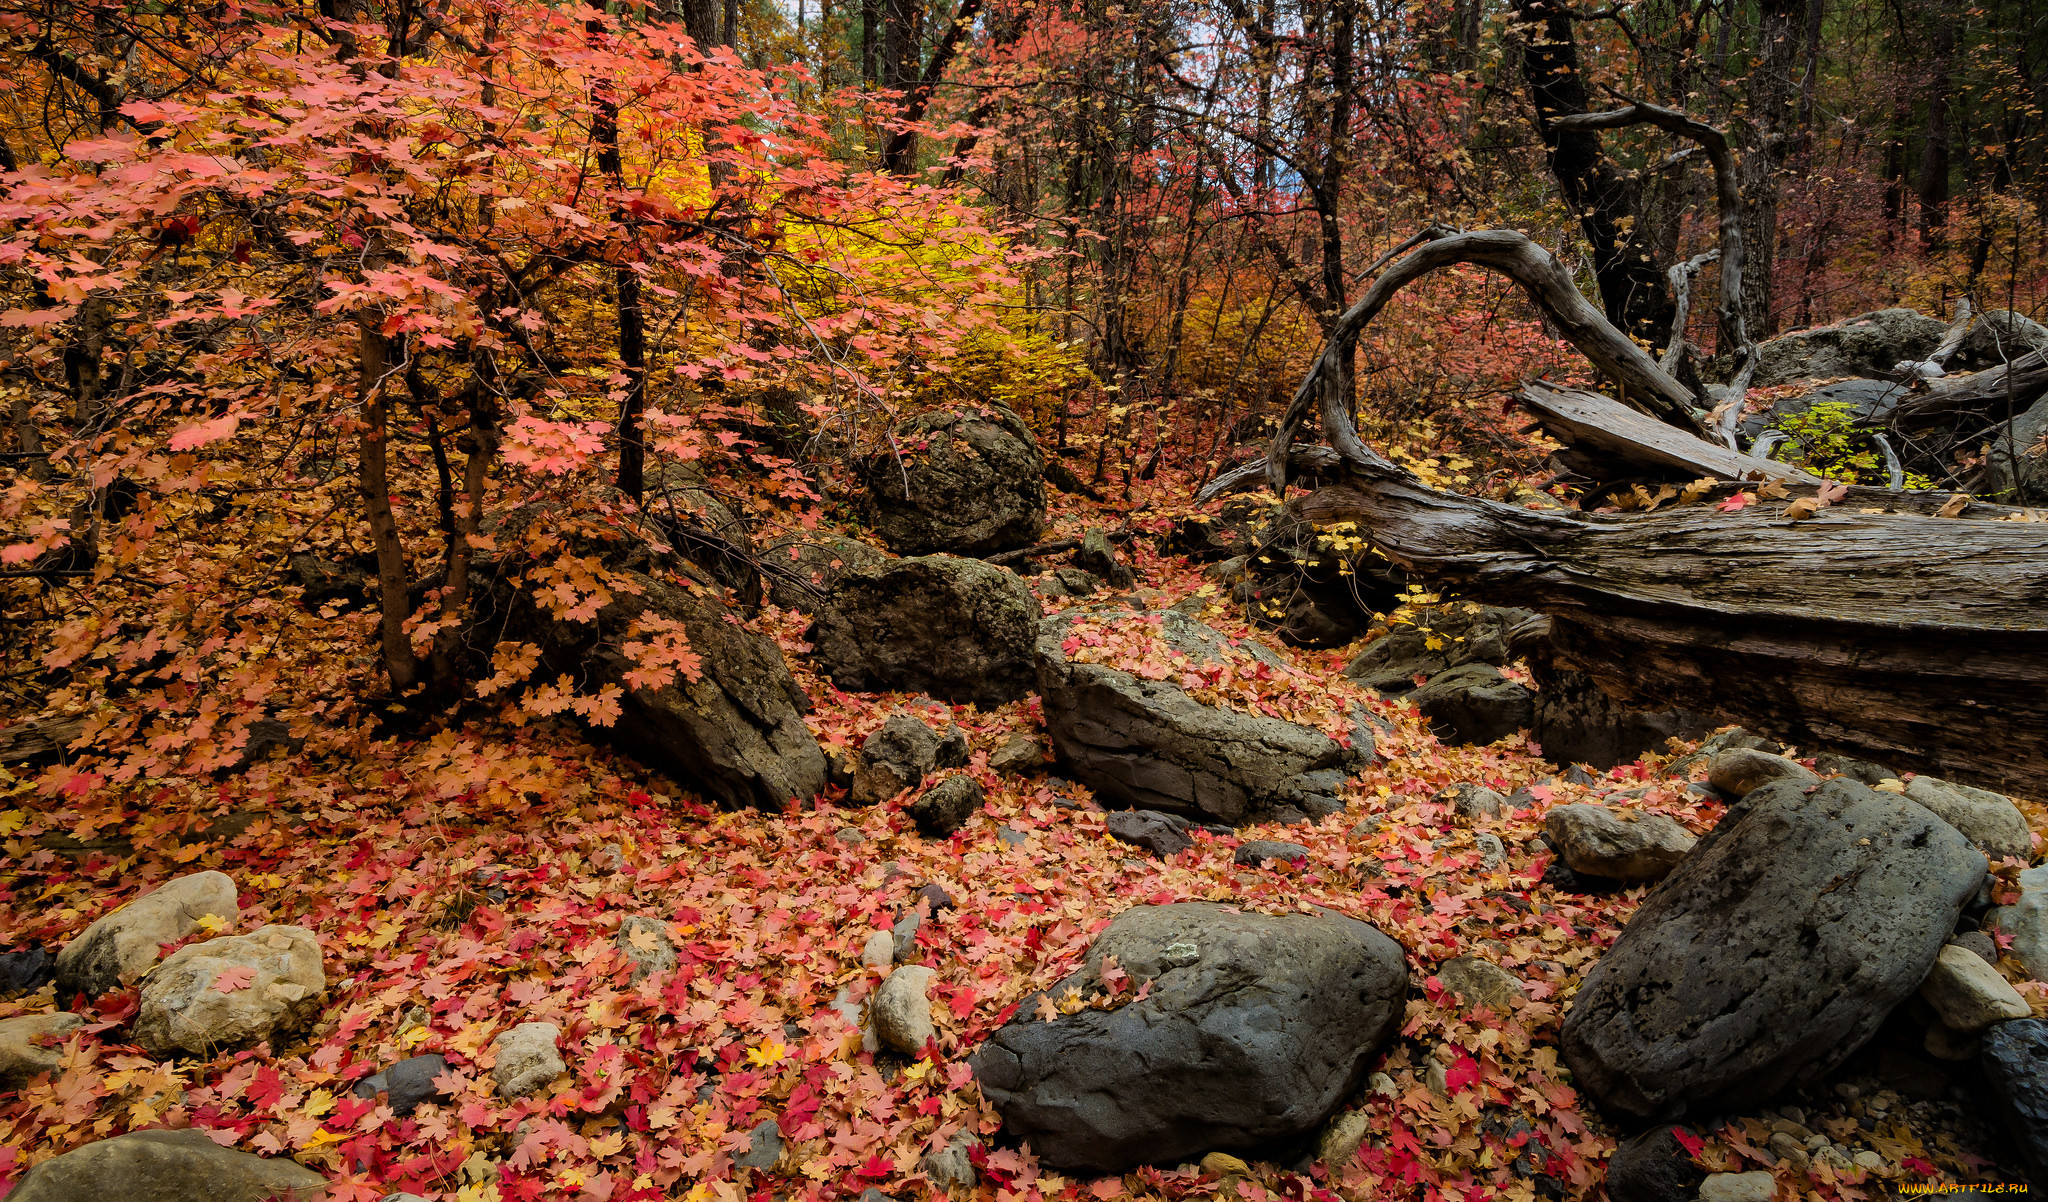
(850, 836)
(901, 1014)
(1756, 1186)
(904, 935)
(1492, 852)
(527, 1059)
(1011, 836)
(1867, 1160)
(880, 950)
(764, 1146)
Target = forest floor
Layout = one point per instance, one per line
(476, 878)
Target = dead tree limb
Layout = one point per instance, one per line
(1920, 641)
(2017, 385)
(1680, 276)
(1547, 284)
(1728, 199)
(1622, 435)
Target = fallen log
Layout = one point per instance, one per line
(1918, 641)
(2015, 386)
(1623, 435)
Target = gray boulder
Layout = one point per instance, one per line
(1996, 338)
(1635, 848)
(817, 562)
(965, 481)
(2026, 920)
(1465, 634)
(1871, 402)
(1868, 344)
(166, 1166)
(736, 734)
(1775, 950)
(185, 1009)
(2015, 1063)
(1735, 771)
(1146, 744)
(1164, 835)
(946, 806)
(897, 756)
(958, 629)
(119, 947)
(1475, 704)
(1989, 820)
(2016, 470)
(1256, 1029)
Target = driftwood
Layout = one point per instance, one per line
(1619, 434)
(2016, 386)
(1920, 641)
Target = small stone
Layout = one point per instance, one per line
(1437, 1078)
(527, 1059)
(951, 1165)
(33, 1044)
(953, 750)
(1983, 945)
(283, 986)
(1577, 775)
(1019, 753)
(1097, 557)
(1363, 827)
(1340, 1140)
(1481, 983)
(900, 1013)
(946, 806)
(1164, 835)
(1969, 994)
(645, 942)
(1738, 1187)
(851, 836)
(1989, 820)
(406, 1085)
(1867, 1159)
(880, 950)
(1476, 802)
(764, 1146)
(1011, 836)
(1257, 853)
(904, 934)
(936, 897)
(1382, 1085)
(1636, 848)
(1223, 1166)
(26, 971)
(1944, 1042)
(871, 1194)
(121, 946)
(1737, 771)
(401, 1198)
(1492, 852)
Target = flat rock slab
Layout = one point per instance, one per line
(1256, 1029)
(1146, 744)
(1773, 952)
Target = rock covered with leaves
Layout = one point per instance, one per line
(1193, 1027)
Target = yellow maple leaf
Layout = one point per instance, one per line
(770, 1052)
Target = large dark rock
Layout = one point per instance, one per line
(946, 806)
(1462, 634)
(1255, 1030)
(1868, 344)
(2015, 1061)
(1653, 1167)
(967, 481)
(1775, 950)
(802, 571)
(954, 628)
(735, 734)
(166, 1166)
(1475, 704)
(1996, 338)
(1576, 722)
(2016, 470)
(1147, 745)
(1164, 835)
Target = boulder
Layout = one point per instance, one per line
(2015, 1063)
(901, 1012)
(1098, 558)
(1996, 338)
(1635, 848)
(1463, 634)
(1737, 770)
(1019, 753)
(1475, 704)
(1256, 853)
(2016, 470)
(1164, 835)
(527, 1060)
(736, 734)
(1576, 722)
(817, 562)
(1255, 1029)
(958, 629)
(118, 948)
(1475, 802)
(2026, 920)
(1775, 950)
(897, 756)
(406, 1085)
(1989, 820)
(1146, 744)
(33, 1044)
(1868, 344)
(1969, 994)
(166, 1166)
(964, 481)
(946, 806)
(233, 991)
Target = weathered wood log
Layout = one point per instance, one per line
(2016, 386)
(1623, 435)
(38, 741)
(1918, 641)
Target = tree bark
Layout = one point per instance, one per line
(1771, 114)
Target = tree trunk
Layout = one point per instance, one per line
(1934, 147)
(1771, 116)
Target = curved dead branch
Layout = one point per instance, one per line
(1546, 282)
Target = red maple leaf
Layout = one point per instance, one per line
(237, 976)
